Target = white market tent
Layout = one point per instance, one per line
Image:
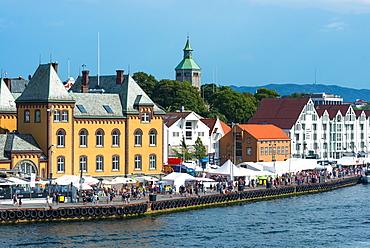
(177, 179)
(122, 180)
(146, 178)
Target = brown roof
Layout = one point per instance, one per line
(210, 122)
(358, 113)
(282, 112)
(333, 109)
(265, 132)
(367, 113)
(171, 117)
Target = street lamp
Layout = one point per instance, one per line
(51, 166)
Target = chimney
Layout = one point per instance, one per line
(8, 83)
(120, 78)
(85, 82)
(85, 77)
(55, 66)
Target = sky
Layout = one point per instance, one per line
(235, 42)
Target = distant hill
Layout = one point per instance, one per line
(348, 94)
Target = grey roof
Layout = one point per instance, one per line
(7, 103)
(130, 92)
(93, 104)
(18, 85)
(45, 85)
(17, 142)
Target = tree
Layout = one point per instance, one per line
(200, 150)
(234, 105)
(146, 82)
(265, 93)
(296, 95)
(184, 151)
(172, 95)
(207, 91)
(366, 107)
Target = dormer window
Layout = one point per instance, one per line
(145, 117)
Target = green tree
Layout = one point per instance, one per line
(296, 95)
(234, 105)
(366, 107)
(200, 150)
(265, 93)
(172, 95)
(183, 152)
(207, 91)
(213, 113)
(147, 82)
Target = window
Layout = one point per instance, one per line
(83, 138)
(266, 150)
(99, 163)
(152, 138)
(152, 162)
(201, 134)
(61, 166)
(238, 135)
(56, 115)
(249, 151)
(270, 150)
(145, 117)
(37, 116)
(137, 162)
(188, 125)
(195, 74)
(115, 138)
(65, 115)
(81, 108)
(99, 138)
(83, 164)
(188, 135)
(115, 163)
(262, 151)
(286, 150)
(108, 109)
(278, 150)
(26, 116)
(61, 138)
(176, 134)
(248, 140)
(138, 137)
(178, 74)
(282, 150)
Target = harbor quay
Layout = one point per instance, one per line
(40, 210)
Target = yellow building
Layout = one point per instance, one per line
(108, 127)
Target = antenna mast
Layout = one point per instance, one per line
(98, 57)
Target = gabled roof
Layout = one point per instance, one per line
(7, 103)
(45, 86)
(210, 122)
(333, 109)
(358, 113)
(94, 104)
(225, 127)
(171, 118)
(367, 113)
(265, 132)
(17, 143)
(131, 94)
(282, 112)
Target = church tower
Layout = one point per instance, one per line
(188, 69)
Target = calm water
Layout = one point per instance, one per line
(338, 218)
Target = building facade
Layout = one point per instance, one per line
(317, 131)
(116, 133)
(255, 143)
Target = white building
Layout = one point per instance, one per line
(321, 131)
(188, 126)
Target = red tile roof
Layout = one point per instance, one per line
(282, 112)
(265, 132)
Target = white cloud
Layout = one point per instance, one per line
(338, 6)
(335, 26)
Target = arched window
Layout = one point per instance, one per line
(26, 116)
(26, 166)
(83, 164)
(115, 163)
(152, 162)
(152, 137)
(100, 138)
(83, 138)
(138, 165)
(138, 137)
(61, 138)
(115, 138)
(37, 116)
(61, 165)
(99, 163)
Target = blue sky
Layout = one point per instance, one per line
(239, 42)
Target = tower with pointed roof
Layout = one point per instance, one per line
(188, 70)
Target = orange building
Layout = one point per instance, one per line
(255, 143)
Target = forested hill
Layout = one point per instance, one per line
(348, 94)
